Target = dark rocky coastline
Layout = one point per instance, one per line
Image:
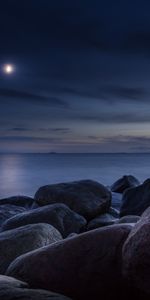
(77, 240)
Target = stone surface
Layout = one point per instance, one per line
(18, 241)
(12, 282)
(7, 211)
(59, 215)
(11, 293)
(129, 219)
(125, 182)
(18, 200)
(136, 200)
(84, 267)
(86, 197)
(136, 254)
(100, 221)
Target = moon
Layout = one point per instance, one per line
(8, 69)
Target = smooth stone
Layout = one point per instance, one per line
(136, 254)
(58, 215)
(123, 183)
(129, 219)
(7, 211)
(16, 242)
(84, 267)
(100, 221)
(136, 200)
(18, 200)
(12, 282)
(12, 293)
(86, 197)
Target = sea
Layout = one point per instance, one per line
(23, 174)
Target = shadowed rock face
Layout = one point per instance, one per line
(125, 182)
(84, 267)
(12, 282)
(100, 221)
(18, 241)
(136, 200)
(18, 200)
(13, 289)
(59, 215)
(136, 254)
(128, 219)
(7, 211)
(86, 197)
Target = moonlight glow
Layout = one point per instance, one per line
(8, 68)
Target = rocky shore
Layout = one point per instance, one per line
(77, 240)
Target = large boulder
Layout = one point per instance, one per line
(58, 215)
(87, 266)
(7, 211)
(16, 242)
(136, 254)
(86, 197)
(18, 200)
(136, 200)
(13, 289)
(100, 221)
(123, 183)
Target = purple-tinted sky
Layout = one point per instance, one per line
(82, 76)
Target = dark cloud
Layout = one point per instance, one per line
(117, 118)
(19, 129)
(32, 98)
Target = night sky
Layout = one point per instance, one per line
(81, 80)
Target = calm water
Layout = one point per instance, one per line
(24, 174)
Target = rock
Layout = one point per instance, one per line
(7, 211)
(59, 215)
(12, 282)
(116, 201)
(114, 212)
(72, 235)
(13, 289)
(86, 197)
(102, 220)
(136, 254)
(18, 200)
(84, 267)
(128, 219)
(125, 182)
(18, 241)
(136, 200)
(13, 293)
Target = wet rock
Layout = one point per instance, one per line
(18, 200)
(84, 267)
(59, 215)
(86, 197)
(125, 182)
(136, 200)
(7, 211)
(129, 219)
(136, 254)
(102, 220)
(18, 241)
